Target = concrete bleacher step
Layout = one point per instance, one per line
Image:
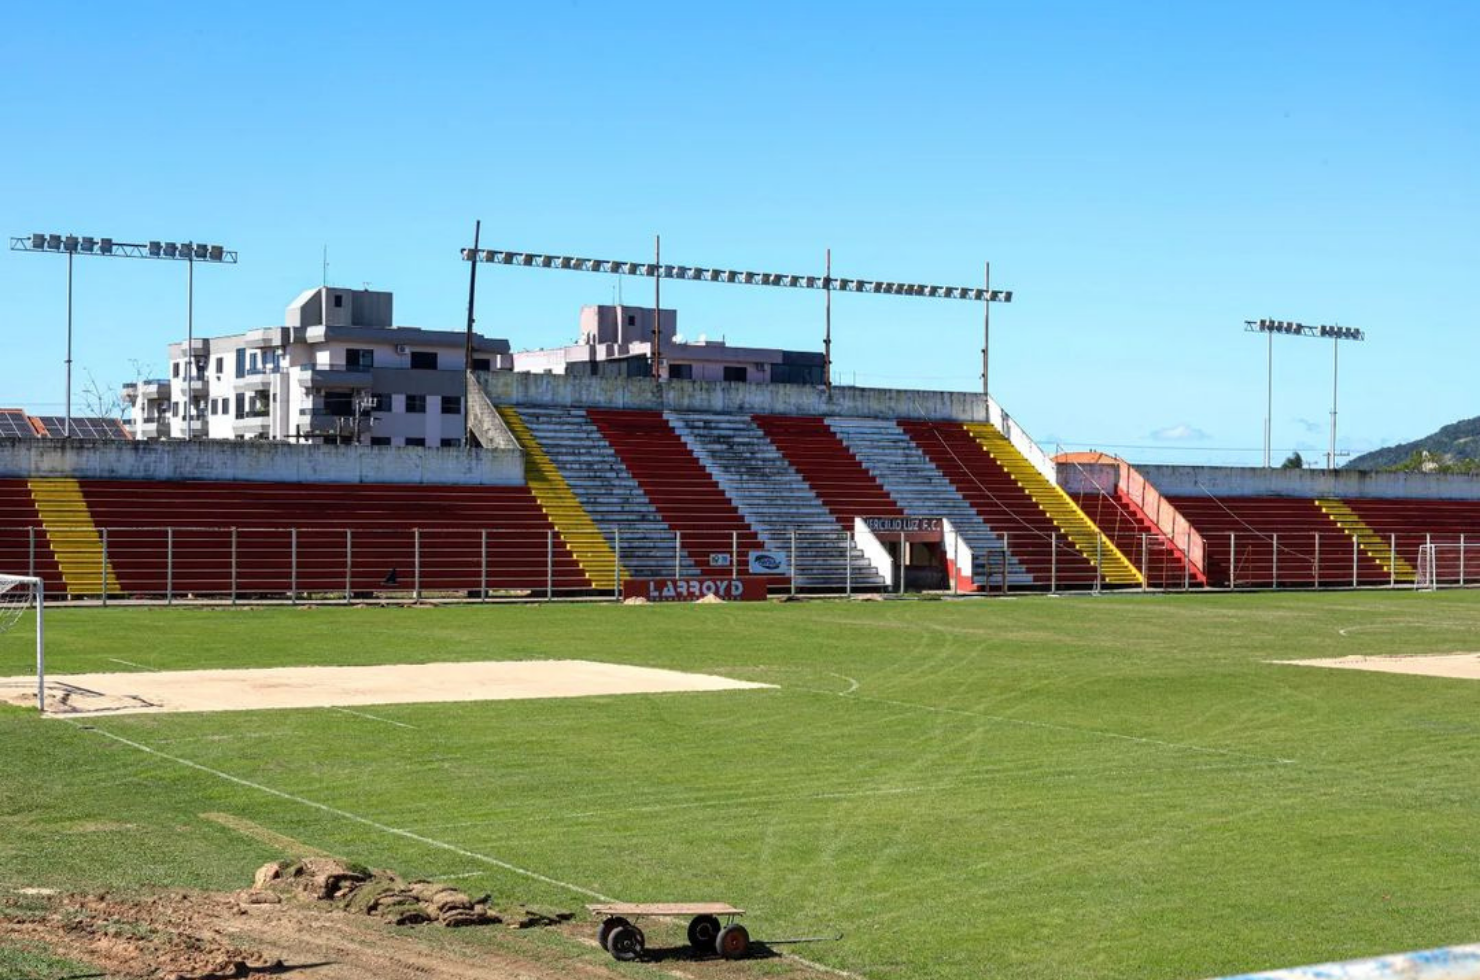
(920, 490)
(1373, 544)
(775, 499)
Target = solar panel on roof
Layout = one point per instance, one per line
(15, 425)
(83, 427)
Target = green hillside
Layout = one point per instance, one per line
(1455, 443)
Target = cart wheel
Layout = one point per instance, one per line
(626, 943)
(608, 926)
(733, 942)
(703, 931)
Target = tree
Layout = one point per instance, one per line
(1294, 461)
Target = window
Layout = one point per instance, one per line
(175, 409)
(415, 441)
(220, 364)
(241, 362)
(359, 359)
(482, 364)
(175, 369)
(252, 363)
(451, 443)
(380, 403)
(340, 404)
(241, 405)
(681, 372)
(631, 320)
(416, 404)
(424, 360)
(338, 301)
(380, 440)
(451, 404)
(735, 373)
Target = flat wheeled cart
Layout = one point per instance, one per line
(620, 936)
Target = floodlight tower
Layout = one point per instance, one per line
(189, 252)
(1269, 328)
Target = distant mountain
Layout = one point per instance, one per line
(1455, 442)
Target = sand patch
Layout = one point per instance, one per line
(325, 687)
(1464, 666)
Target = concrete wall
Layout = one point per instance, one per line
(1239, 481)
(257, 461)
(720, 396)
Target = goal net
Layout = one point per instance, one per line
(19, 593)
(1447, 563)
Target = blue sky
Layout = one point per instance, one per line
(1145, 177)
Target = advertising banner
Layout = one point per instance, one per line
(769, 563)
(745, 589)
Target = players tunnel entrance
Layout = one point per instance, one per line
(913, 551)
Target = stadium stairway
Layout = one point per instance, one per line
(1054, 502)
(576, 528)
(1373, 544)
(1161, 562)
(683, 491)
(919, 488)
(74, 540)
(605, 488)
(775, 500)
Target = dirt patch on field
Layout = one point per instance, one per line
(329, 920)
(321, 687)
(1464, 666)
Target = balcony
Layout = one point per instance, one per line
(334, 377)
(253, 382)
(252, 425)
(152, 429)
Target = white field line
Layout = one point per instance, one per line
(407, 834)
(346, 815)
(364, 714)
(130, 663)
(1050, 726)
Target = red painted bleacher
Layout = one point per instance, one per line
(372, 527)
(683, 491)
(23, 545)
(845, 487)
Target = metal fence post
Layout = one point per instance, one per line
(1053, 560)
(233, 566)
(549, 564)
(793, 561)
(416, 556)
(677, 556)
(902, 562)
(293, 565)
(103, 571)
(1274, 560)
(1428, 542)
(1145, 562)
(1099, 560)
(1187, 559)
(847, 565)
(483, 565)
(617, 562)
(1318, 559)
(1393, 562)
(1356, 556)
(349, 563)
(1461, 559)
(1005, 552)
(31, 554)
(1232, 561)
(734, 554)
(169, 566)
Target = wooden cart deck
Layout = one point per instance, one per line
(664, 908)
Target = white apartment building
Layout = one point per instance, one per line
(336, 371)
(617, 341)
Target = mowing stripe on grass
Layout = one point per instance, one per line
(290, 846)
(1050, 726)
(364, 714)
(346, 815)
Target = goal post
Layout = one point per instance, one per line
(1447, 563)
(17, 594)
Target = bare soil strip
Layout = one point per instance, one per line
(328, 687)
(1462, 666)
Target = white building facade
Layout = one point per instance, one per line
(337, 371)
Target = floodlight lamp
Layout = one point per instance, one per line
(70, 243)
(54, 242)
(105, 246)
(201, 251)
(154, 249)
(89, 243)
(38, 241)
(171, 250)
(217, 253)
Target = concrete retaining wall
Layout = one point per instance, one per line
(257, 462)
(511, 388)
(1240, 481)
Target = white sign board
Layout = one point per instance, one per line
(768, 563)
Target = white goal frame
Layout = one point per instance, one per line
(1447, 563)
(37, 591)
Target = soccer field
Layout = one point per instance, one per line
(1088, 787)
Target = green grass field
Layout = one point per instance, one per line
(1033, 788)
